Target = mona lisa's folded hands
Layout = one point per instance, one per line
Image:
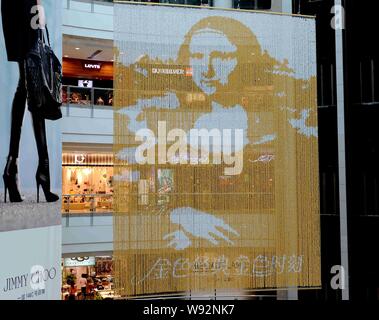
(197, 224)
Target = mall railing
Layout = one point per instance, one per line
(237, 4)
(87, 98)
(90, 5)
(87, 204)
(87, 5)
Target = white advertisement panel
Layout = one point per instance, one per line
(30, 150)
(30, 264)
(30, 162)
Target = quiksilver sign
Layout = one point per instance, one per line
(186, 72)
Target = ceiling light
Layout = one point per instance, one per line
(93, 55)
(77, 48)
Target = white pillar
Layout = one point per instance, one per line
(341, 147)
(287, 6)
(223, 3)
(287, 294)
(284, 6)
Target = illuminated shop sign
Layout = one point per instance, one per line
(92, 66)
(79, 262)
(172, 71)
(84, 159)
(85, 83)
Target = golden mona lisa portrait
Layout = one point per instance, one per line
(216, 156)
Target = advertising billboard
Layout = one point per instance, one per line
(216, 150)
(30, 264)
(30, 162)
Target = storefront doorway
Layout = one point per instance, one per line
(87, 180)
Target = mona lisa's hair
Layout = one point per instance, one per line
(254, 67)
(257, 82)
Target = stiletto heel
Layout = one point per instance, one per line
(37, 192)
(43, 180)
(10, 181)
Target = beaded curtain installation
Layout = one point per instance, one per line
(216, 150)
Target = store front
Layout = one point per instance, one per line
(97, 272)
(87, 83)
(87, 183)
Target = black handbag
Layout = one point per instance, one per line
(43, 74)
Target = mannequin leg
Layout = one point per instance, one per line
(18, 111)
(39, 128)
(43, 171)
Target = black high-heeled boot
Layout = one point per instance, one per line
(10, 181)
(43, 180)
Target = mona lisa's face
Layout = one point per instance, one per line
(211, 64)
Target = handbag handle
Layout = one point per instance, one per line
(42, 36)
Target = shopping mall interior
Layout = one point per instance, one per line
(87, 201)
(87, 154)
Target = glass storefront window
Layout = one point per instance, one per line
(98, 272)
(87, 183)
